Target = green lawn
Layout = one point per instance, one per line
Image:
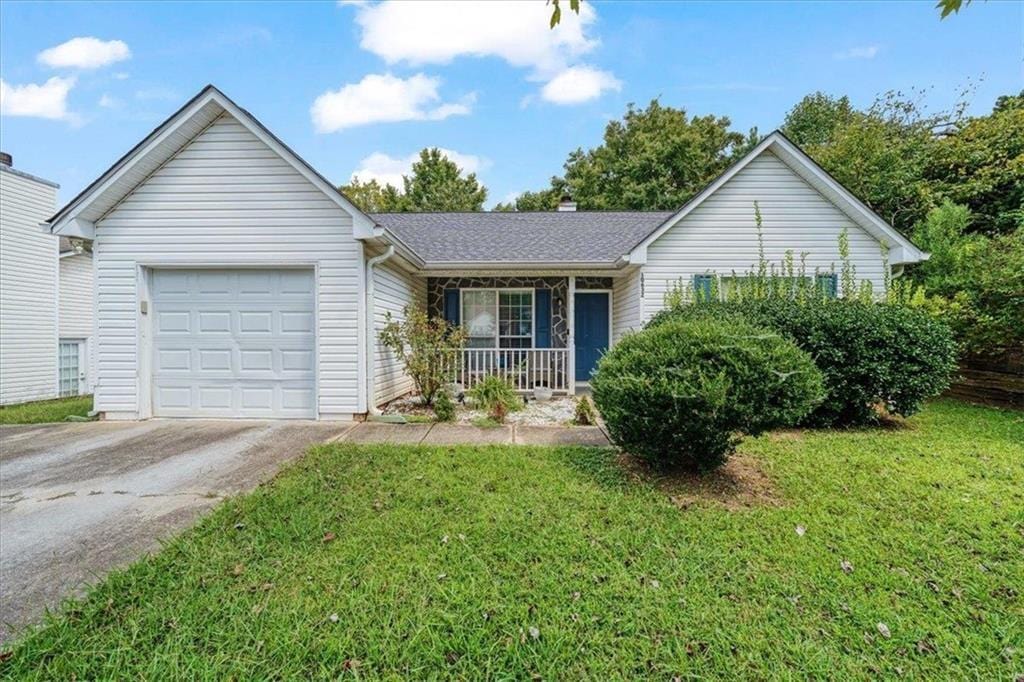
(43, 411)
(504, 562)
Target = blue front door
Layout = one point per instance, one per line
(591, 311)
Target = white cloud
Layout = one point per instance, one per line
(382, 98)
(85, 53)
(860, 52)
(579, 84)
(433, 32)
(122, 76)
(49, 100)
(387, 169)
(108, 102)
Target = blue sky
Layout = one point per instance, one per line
(361, 87)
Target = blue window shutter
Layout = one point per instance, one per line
(451, 307)
(828, 285)
(702, 287)
(542, 307)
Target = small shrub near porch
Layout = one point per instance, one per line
(425, 344)
(683, 393)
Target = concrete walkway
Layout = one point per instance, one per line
(463, 434)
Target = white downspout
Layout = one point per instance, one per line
(371, 332)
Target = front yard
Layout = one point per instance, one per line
(886, 552)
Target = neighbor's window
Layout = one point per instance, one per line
(498, 318)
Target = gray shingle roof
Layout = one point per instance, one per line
(528, 237)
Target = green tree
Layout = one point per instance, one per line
(435, 184)
(815, 119)
(943, 234)
(981, 164)
(653, 158)
(438, 184)
(880, 154)
(977, 282)
(373, 197)
(542, 200)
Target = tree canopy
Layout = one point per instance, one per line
(903, 161)
(436, 183)
(653, 158)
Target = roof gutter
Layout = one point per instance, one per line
(523, 265)
(371, 333)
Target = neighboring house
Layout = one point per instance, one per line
(75, 319)
(233, 280)
(28, 287)
(46, 301)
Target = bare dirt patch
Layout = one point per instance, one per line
(740, 484)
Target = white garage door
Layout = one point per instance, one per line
(233, 343)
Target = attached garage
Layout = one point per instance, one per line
(233, 343)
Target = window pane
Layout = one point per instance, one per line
(478, 317)
(515, 319)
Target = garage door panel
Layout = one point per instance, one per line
(215, 360)
(296, 323)
(174, 322)
(296, 361)
(234, 343)
(174, 360)
(214, 283)
(215, 397)
(257, 360)
(214, 321)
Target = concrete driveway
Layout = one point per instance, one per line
(79, 499)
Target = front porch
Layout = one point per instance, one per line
(544, 331)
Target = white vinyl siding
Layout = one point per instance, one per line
(77, 307)
(394, 289)
(227, 199)
(28, 290)
(76, 287)
(626, 304)
(720, 235)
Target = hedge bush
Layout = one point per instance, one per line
(683, 393)
(870, 354)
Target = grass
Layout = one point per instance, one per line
(43, 411)
(504, 562)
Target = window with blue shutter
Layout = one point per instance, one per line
(542, 308)
(703, 287)
(828, 284)
(451, 307)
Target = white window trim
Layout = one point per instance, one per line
(497, 321)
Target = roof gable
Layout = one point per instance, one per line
(166, 140)
(901, 249)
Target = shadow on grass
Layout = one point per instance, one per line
(740, 484)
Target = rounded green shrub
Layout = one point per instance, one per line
(870, 354)
(684, 392)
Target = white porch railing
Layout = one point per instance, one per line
(524, 368)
